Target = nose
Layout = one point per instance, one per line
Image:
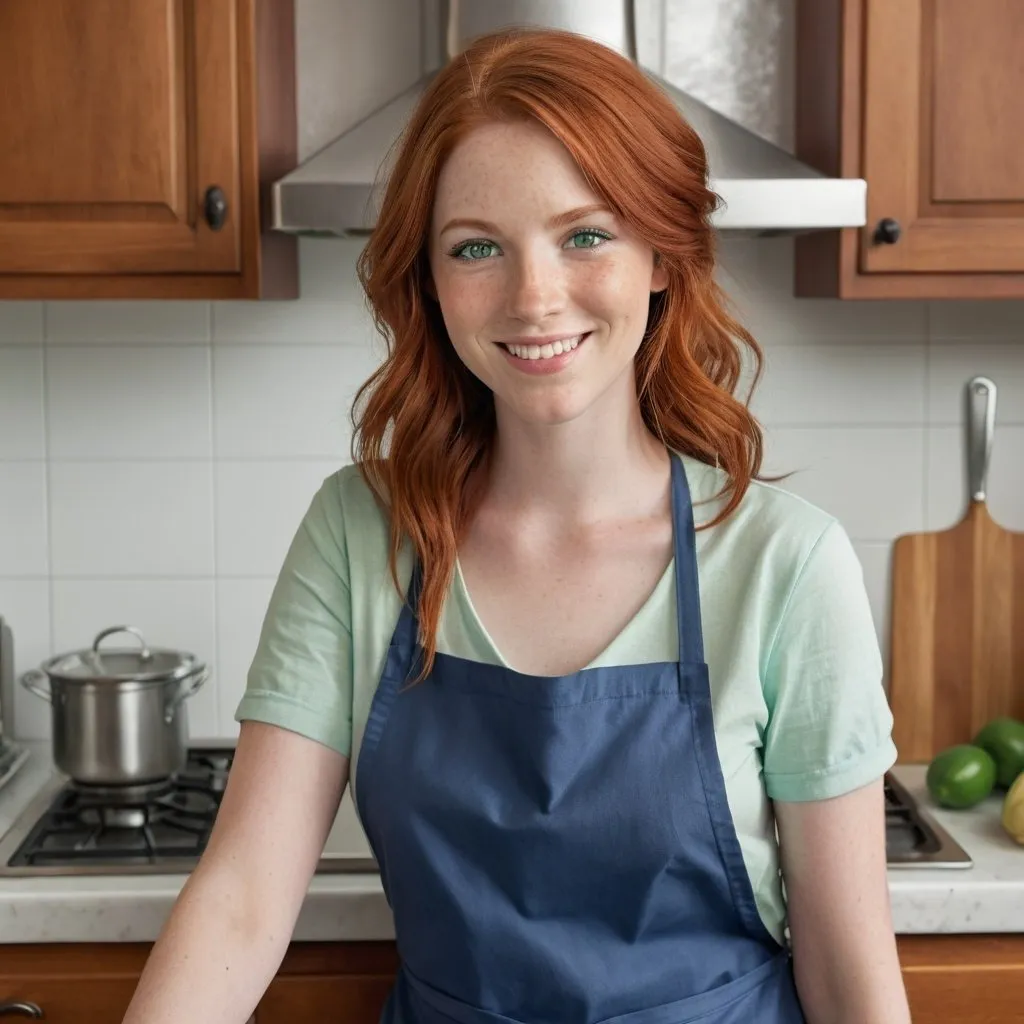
(536, 289)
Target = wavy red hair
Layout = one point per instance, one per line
(424, 424)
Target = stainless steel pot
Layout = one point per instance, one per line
(118, 715)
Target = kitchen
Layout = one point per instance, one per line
(156, 457)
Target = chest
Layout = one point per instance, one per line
(551, 605)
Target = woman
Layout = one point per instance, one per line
(575, 721)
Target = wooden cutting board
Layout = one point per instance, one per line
(957, 640)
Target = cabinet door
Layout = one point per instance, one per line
(67, 1000)
(944, 135)
(964, 979)
(314, 1000)
(115, 120)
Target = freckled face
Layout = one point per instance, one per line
(544, 292)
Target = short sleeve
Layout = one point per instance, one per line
(829, 725)
(301, 675)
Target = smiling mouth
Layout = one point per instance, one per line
(548, 351)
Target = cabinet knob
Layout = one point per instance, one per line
(21, 1010)
(887, 231)
(215, 207)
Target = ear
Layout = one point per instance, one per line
(659, 278)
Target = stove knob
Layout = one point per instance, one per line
(21, 1010)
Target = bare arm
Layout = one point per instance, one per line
(232, 922)
(840, 918)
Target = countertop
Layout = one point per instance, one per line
(987, 897)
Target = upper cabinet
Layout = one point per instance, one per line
(139, 144)
(922, 99)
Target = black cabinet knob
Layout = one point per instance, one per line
(887, 231)
(215, 207)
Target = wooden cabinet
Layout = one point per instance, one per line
(93, 983)
(921, 99)
(328, 981)
(139, 144)
(950, 979)
(964, 979)
(69, 984)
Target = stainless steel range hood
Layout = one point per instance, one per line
(764, 189)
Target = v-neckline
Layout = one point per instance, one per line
(467, 608)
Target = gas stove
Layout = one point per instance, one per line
(72, 829)
(77, 830)
(913, 838)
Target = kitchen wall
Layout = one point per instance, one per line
(155, 457)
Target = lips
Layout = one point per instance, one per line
(544, 360)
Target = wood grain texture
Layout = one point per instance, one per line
(964, 979)
(880, 95)
(957, 644)
(107, 161)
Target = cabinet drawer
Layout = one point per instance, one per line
(68, 1000)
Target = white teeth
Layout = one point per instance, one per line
(554, 348)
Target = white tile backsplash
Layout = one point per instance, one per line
(127, 322)
(333, 310)
(21, 323)
(870, 478)
(258, 507)
(132, 519)
(951, 366)
(22, 426)
(965, 321)
(876, 561)
(758, 276)
(890, 385)
(24, 549)
(286, 401)
(241, 606)
(163, 391)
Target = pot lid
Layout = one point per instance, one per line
(120, 664)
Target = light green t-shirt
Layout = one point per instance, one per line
(796, 674)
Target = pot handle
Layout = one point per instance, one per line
(137, 633)
(31, 680)
(186, 687)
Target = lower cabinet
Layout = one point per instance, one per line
(319, 982)
(964, 979)
(93, 983)
(69, 984)
(952, 979)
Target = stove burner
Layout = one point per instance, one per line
(119, 796)
(164, 823)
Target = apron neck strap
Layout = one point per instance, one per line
(691, 637)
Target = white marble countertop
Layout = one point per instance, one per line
(987, 897)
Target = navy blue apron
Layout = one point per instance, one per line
(561, 849)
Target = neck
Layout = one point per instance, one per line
(603, 464)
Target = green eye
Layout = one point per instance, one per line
(469, 252)
(591, 234)
(470, 247)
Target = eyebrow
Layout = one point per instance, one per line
(559, 220)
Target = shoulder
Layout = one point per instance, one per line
(771, 524)
(345, 509)
(776, 559)
(344, 531)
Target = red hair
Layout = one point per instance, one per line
(424, 425)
